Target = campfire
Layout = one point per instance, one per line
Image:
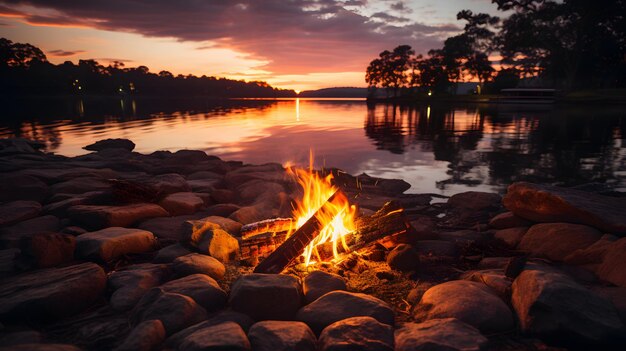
(324, 226)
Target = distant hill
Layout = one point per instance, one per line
(342, 92)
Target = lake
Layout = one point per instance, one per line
(437, 148)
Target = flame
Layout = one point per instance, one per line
(340, 220)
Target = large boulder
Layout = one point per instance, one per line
(195, 263)
(200, 287)
(111, 243)
(244, 321)
(281, 336)
(554, 307)
(511, 237)
(448, 334)
(471, 302)
(338, 305)
(210, 238)
(182, 203)
(132, 282)
(170, 253)
(404, 257)
(557, 240)
(357, 333)
(493, 278)
(165, 184)
(16, 211)
(319, 283)
(545, 203)
(225, 336)
(176, 311)
(14, 236)
(593, 255)
(22, 187)
(146, 336)
(613, 267)
(48, 249)
(51, 293)
(111, 144)
(80, 185)
(508, 220)
(96, 217)
(266, 296)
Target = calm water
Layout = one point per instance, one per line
(440, 148)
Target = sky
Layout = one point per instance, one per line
(293, 44)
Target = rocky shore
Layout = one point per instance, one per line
(119, 250)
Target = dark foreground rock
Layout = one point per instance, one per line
(15, 211)
(111, 243)
(613, 267)
(281, 336)
(200, 287)
(448, 334)
(51, 293)
(225, 336)
(557, 240)
(357, 333)
(175, 311)
(98, 217)
(544, 203)
(146, 336)
(319, 283)
(111, 144)
(195, 263)
(266, 296)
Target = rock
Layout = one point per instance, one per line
(511, 237)
(613, 266)
(80, 185)
(448, 334)
(494, 262)
(470, 302)
(16, 211)
(21, 337)
(22, 187)
(223, 210)
(42, 347)
(231, 227)
(225, 336)
(51, 293)
(556, 241)
(463, 238)
(552, 306)
(165, 184)
(181, 203)
(204, 175)
(146, 336)
(200, 287)
(495, 279)
(475, 200)
(404, 258)
(210, 239)
(281, 336)
(508, 220)
(131, 283)
(170, 253)
(195, 263)
(109, 244)
(13, 236)
(594, 254)
(191, 156)
(111, 144)
(266, 296)
(170, 228)
(8, 264)
(617, 295)
(244, 321)
(544, 203)
(425, 229)
(338, 305)
(357, 333)
(49, 249)
(97, 217)
(319, 283)
(251, 214)
(437, 249)
(60, 203)
(204, 185)
(176, 311)
(223, 196)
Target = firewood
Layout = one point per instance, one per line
(295, 244)
(274, 225)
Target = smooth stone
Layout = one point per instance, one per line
(281, 336)
(545, 203)
(49, 249)
(111, 243)
(20, 337)
(97, 217)
(132, 282)
(495, 279)
(337, 305)
(170, 253)
(475, 200)
(556, 241)
(165, 184)
(594, 254)
(613, 266)
(80, 185)
(146, 336)
(51, 293)
(231, 227)
(13, 236)
(266, 296)
(511, 236)
(211, 239)
(182, 203)
(552, 306)
(17, 211)
(204, 185)
(449, 334)
(223, 196)
(200, 287)
(204, 175)
(226, 336)
(251, 214)
(168, 228)
(196, 263)
(494, 262)
(404, 258)
(471, 302)
(437, 249)
(175, 311)
(357, 333)
(42, 347)
(615, 294)
(223, 210)
(23, 187)
(244, 321)
(111, 144)
(508, 220)
(319, 283)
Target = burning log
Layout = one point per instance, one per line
(275, 225)
(295, 244)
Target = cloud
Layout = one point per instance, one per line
(294, 37)
(389, 18)
(64, 53)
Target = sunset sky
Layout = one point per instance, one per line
(290, 44)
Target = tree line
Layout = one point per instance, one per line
(565, 44)
(25, 70)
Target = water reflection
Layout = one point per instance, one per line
(436, 148)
